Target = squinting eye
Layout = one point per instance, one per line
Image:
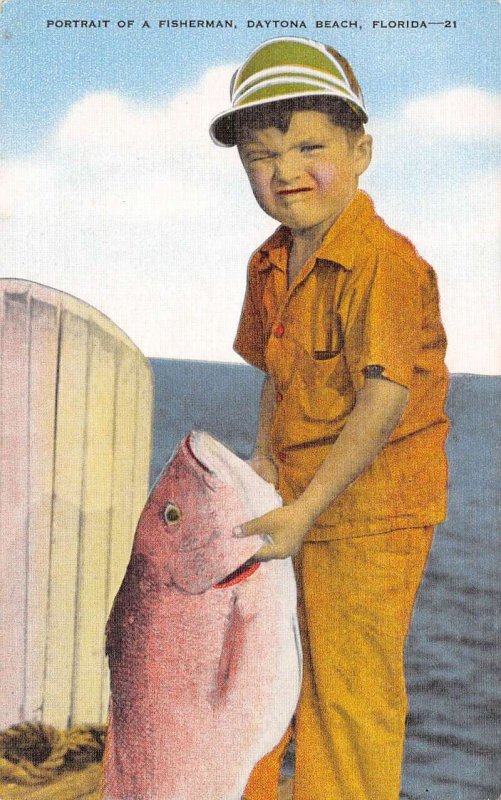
(308, 148)
(172, 514)
(253, 157)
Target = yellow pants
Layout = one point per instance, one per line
(355, 604)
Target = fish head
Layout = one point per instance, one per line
(186, 528)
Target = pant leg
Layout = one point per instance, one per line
(356, 600)
(264, 778)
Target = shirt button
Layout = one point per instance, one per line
(279, 397)
(281, 456)
(279, 330)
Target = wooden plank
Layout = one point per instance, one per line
(93, 552)
(13, 504)
(46, 579)
(68, 475)
(122, 526)
(44, 331)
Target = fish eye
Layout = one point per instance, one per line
(172, 514)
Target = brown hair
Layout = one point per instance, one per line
(278, 115)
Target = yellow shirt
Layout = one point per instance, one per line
(365, 297)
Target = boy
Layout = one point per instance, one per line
(342, 315)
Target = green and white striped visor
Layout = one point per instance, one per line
(284, 68)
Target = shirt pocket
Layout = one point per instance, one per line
(326, 391)
(327, 338)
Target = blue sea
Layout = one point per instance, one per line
(453, 662)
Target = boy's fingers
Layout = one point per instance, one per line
(251, 528)
(265, 554)
(270, 551)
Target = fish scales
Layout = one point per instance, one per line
(203, 647)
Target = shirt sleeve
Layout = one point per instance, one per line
(250, 341)
(383, 323)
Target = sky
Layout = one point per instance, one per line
(111, 189)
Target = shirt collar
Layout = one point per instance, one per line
(275, 250)
(338, 245)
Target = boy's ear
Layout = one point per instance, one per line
(363, 153)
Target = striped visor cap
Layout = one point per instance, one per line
(285, 68)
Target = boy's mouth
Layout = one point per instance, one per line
(293, 191)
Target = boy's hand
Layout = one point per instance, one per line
(284, 527)
(265, 468)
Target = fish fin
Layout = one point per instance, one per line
(230, 657)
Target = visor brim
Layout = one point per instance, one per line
(222, 129)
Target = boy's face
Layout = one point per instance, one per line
(304, 178)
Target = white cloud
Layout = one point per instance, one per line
(133, 209)
(461, 113)
(464, 113)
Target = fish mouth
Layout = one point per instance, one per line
(194, 457)
(238, 575)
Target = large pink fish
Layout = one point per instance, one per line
(203, 647)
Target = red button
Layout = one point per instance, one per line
(279, 330)
(279, 397)
(281, 456)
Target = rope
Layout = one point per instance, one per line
(33, 753)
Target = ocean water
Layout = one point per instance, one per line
(453, 749)
(454, 648)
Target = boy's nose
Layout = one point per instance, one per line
(287, 168)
